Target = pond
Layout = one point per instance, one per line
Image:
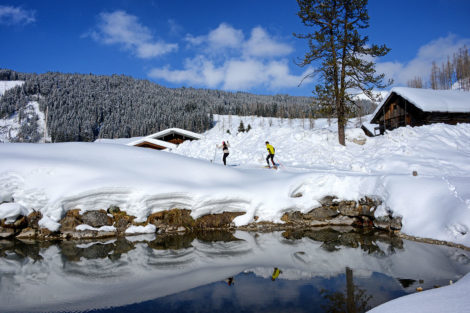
(321, 270)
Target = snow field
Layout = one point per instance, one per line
(54, 178)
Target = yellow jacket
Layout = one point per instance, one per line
(276, 273)
(270, 148)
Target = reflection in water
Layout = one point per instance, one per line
(331, 270)
(275, 274)
(354, 300)
(230, 281)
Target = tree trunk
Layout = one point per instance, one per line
(350, 304)
(341, 124)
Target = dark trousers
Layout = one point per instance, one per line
(225, 158)
(270, 156)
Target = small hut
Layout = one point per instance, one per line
(416, 107)
(166, 139)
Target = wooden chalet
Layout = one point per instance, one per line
(417, 107)
(165, 139)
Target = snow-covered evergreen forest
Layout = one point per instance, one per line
(84, 107)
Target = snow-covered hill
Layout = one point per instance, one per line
(9, 84)
(31, 117)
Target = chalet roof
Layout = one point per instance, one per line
(429, 100)
(154, 138)
(157, 142)
(178, 131)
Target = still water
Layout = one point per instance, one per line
(326, 270)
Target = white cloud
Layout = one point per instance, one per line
(197, 71)
(261, 44)
(15, 15)
(225, 59)
(124, 29)
(224, 36)
(437, 50)
(233, 74)
(242, 74)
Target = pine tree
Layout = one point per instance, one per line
(241, 127)
(341, 52)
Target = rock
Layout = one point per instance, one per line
(27, 233)
(349, 208)
(70, 221)
(222, 220)
(46, 233)
(113, 209)
(388, 223)
(19, 223)
(173, 217)
(321, 213)
(383, 222)
(335, 221)
(7, 232)
(328, 201)
(359, 141)
(122, 222)
(395, 223)
(97, 218)
(33, 219)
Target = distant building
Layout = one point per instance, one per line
(416, 107)
(165, 139)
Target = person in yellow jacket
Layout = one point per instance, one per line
(275, 274)
(271, 153)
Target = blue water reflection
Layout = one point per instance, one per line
(325, 270)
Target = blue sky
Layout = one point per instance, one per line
(243, 45)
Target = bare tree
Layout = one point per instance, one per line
(416, 82)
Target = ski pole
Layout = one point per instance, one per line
(215, 152)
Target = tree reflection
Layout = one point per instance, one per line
(355, 300)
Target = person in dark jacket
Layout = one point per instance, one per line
(224, 146)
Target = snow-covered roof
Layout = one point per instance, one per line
(165, 144)
(153, 138)
(122, 141)
(179, 131)
(429, 100)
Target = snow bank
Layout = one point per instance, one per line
(102, 228)
(450, 299)
(11, 211)
(148, 229)
(54, 178)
